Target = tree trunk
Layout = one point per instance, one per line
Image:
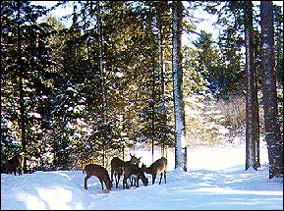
(21, 72)
(272, 134)
(153, 116)
(102, 79)
(251, 91)
(162, 83)
(177, 84)
(257, 138)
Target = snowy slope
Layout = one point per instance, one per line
(215, 180)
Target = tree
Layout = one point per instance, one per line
(229, 75)
(252, 136)
(208, 61)
(24, 86)
(102, 76)
(272, 134)
(21, 72)
(178, 85)
(278, 26)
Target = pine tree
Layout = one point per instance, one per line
(272, 134)
(230, 41)
(252, 136)
(26, 42)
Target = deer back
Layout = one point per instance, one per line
(133, 169)
(98, 171)
(158, 166)
(116, 163)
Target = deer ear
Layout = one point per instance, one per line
(139, 158)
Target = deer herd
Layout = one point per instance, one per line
(130, 171)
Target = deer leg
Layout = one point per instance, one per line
(101, 181)
(116, 181)
(153, 179)
(125, 183)
(160, 178)
(20, 171)
(111, 176)
(85, 182)
(137, 181)
(131, 181)
(118, 178)
(165, 176)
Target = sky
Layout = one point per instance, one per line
(215, 180)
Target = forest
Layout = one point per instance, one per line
(121, 75)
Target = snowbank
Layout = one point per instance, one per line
(215, 180)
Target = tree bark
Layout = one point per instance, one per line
(21, 73)
(252, 136)
(102, 79)
(178, 85)
(272, 134)
(162, 81)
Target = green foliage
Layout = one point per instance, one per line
(24, 54)
(66, 121)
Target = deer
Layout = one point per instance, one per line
(15, 164)
(117, 167)
(100, 172)
(157, 167)
(133, 171)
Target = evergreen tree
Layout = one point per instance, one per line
(252, 124)
(272, 133)
(209, 63)
(230, 41)
(25, 77)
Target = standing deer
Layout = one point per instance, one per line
(159, 166)
(133, 170)
(15, 164)
(98, 171)
(117, 167)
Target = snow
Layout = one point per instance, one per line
(215, 180)
(34, 114)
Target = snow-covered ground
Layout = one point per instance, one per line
(215, 180)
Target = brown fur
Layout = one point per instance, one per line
(98, 171)
(15, 164)
(158, 167)
(117, 167)
(133, 170)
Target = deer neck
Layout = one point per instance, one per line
(149, 170)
